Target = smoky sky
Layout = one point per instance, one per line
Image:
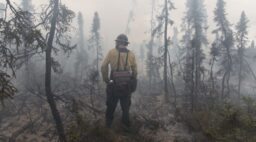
(114, 16)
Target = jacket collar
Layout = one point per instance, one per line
(122, 49)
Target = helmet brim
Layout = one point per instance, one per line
(123, 41)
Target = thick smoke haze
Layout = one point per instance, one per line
(114, 16)
(61, 79)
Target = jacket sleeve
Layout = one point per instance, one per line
(104, 68)
(134, 66)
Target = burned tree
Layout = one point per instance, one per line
(17, 30)
(242, 34)
(82, 55)
(215, 52)
(28, 8)
(164, 22)
(226, 43)
(48, 66)
(95, 40)
(196, 25)
(150, 57)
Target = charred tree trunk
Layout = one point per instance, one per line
(165, 52)
(240, 52)
(150, 48)
(172, 81)
(227, 43)
(49, 94)
(150, 64)
(211, 76)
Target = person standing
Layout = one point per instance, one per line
(122, 81)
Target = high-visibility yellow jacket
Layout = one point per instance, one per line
(112, 60)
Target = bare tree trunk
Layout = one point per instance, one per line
(92, 92)
(229, 70)
(150, 58)
(165, 52)
(241, 55)
(172, 82)
(150, 52)
(226, 76)
(49, 94)
(223, 84)
(192, 80)
(240, 76)
(197, 69)
(97, 60)
(211, 76)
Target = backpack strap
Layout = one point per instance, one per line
(126, 61)
(118, 61)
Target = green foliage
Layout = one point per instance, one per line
(7, 89)
(224, 123)
(84, 130)
(14, 30)
(249, 102)
(20, 30)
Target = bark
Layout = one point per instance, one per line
(150, 50)
(172, 82)
(48, 90)
(226, 76)
(211, 76)
(240, 72)
(165, 52)
(223, 85)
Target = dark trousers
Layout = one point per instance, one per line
(113, 96)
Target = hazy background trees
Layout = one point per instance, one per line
(194, 74)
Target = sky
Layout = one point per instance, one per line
(114, 16)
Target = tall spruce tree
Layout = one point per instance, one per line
(215, 52)
(242, 40)
(51, 30)
(196, 25)
(29, 8)
(57, 28)
(164, 21)
(95, 39)
(149, 62)
(82, 55)
(162, 29)
(226, 43)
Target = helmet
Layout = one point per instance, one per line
(122, 38)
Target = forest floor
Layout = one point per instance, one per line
(152, 121)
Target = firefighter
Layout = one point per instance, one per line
(122, 80)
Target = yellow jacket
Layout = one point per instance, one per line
(112, 60)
